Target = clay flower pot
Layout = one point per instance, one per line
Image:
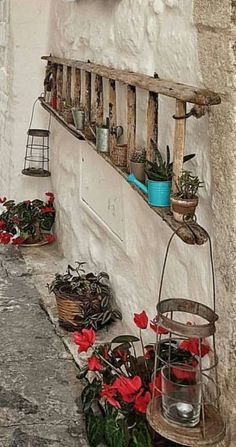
(183, 209)
(138, 170)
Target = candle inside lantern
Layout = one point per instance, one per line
(184, 410)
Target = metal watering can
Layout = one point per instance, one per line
(158, 192)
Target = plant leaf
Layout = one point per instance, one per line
(116, 432)
(94, 428)
(125, 339)
(141, 436)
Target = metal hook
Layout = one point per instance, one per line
(197, 111)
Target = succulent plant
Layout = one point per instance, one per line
(138, 156)
(187, 185)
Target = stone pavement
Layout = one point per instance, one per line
(39, 392)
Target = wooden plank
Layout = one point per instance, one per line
(179, 142)
(183, 92)
(77, 87)
(68, 85)
(152, 124)
(87, 96)
(59, 85)
(99, 99)
(190, 234)
(131, 120)
(112, 114)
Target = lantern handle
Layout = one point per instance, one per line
(32, 115)
(211, 263)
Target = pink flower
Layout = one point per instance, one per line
(142, 400)
(141, 320)
(84, 339)
(94, 363)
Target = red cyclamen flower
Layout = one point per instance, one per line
(108, 393)
(185, 373)
(158, 329)
(141, 320)
(3, 199)
(18, 240)
(47, 210)
(50, 238)
(84, 339)
(94, 363)
(2, 224)
(5, 238)
(128, 387)
(142, 400)
(50, 197)
(192, 345)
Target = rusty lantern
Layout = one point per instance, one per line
(186, 411)
(37, 150)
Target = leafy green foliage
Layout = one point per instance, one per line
(116, 432)
(94, 428)
(188, 185)
(160, 169)
(141, 436)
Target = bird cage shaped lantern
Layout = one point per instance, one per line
(185, 399)
(37, 150)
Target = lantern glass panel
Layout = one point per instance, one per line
(181, 394)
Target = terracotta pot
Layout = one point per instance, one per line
(183, 209)
(138, 170)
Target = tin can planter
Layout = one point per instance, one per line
(183, 209)
(102, 139)
(78, 118)
(119, 155)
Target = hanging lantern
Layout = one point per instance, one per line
(37, 150)
(185, 400)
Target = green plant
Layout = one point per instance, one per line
(138, 156)
(160, 169)
(27, 221)
(188, 185)
(95, 293)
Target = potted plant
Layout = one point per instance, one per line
(67, 112)
(83, 299)
(116, 396)
(28, 222)
(159, 175)
(137, 164)
(185, 200)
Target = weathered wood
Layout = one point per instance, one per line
(99, 99)
(152, 124)
(179, 143)
(54, 80)
(112, 115)
(87, 96)
(131, 120)
(59, 85)
(190, 234)
(77, 87)
(68, 85)
(186, 93)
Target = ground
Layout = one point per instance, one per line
(39, 391)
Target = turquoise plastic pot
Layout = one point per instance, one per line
(159, 193)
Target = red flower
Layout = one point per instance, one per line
(84, 339)
(156, 386)
(2, 224)
(122, 354)
(142, 400)
(141, 320)
(108, 393)
(51, 197)
(128, 388)
(18, 240)
(47, 210)
(183, 374)
(5, 238)
(192, 345)
(3, 199)
(27, 202)
(149, 352)
(94, 363)
(16, 220)
(105, 352)
(50, 238)
(158, 329)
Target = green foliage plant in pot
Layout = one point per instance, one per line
(28, 222)
(83, 299)
(119, 383)
(185, 200)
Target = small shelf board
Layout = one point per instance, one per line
(190, 233)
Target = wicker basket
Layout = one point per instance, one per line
(74, 309)
(119, 155)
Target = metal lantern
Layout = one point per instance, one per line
(37, 150)
(185, 401)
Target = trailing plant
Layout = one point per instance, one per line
(27, 221)
(138, 156)
(188, 185)
(160, 169)
(116, 397)
(94, 291)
